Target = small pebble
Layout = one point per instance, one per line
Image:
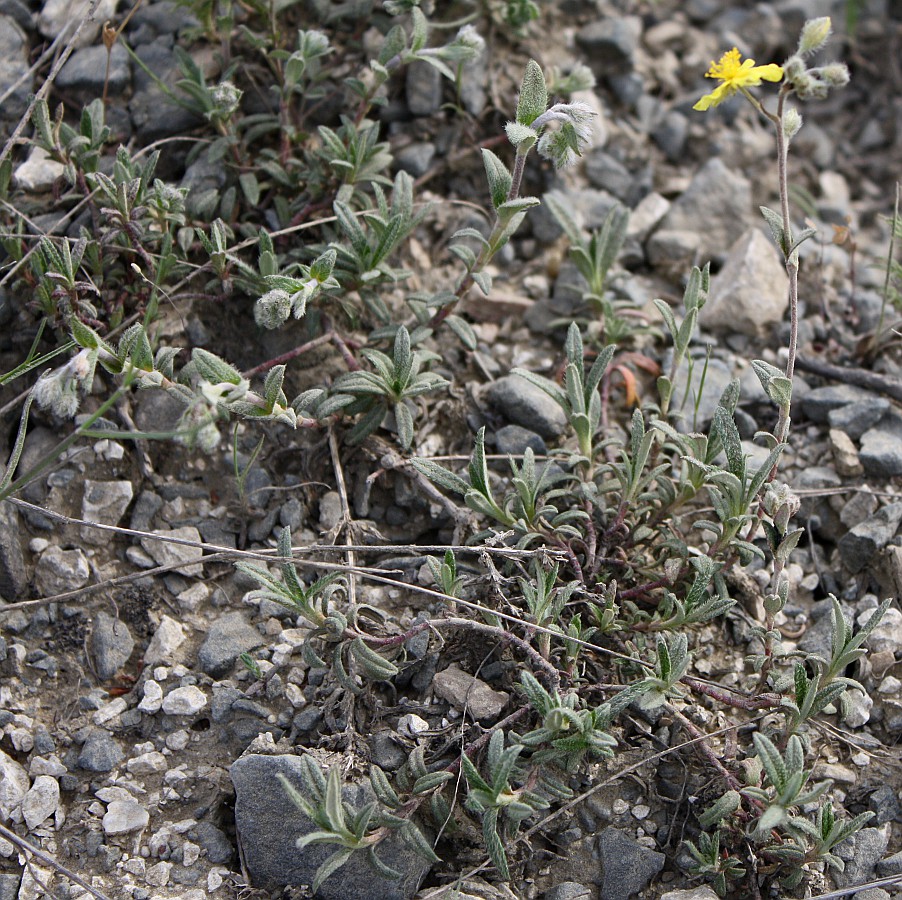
(153, 697)
(184, 701)
(123, 816)
(412, 725)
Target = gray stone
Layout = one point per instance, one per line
(611, 44)
(60, 570)
(514, 439)
(469, 694)
(269, 824)
(386, 752)
(892, 865)
(819, 403)
(872, 894)
(155, 116)
(627, 866)
(881, 448)
(888, 634)
(14, 784)
(330, 510)
(643, 220)
(204, 181)
(750, 294)
(224, 695)
(162, 18)
(817, 636)
(13, 66)
(699, 410)
(157, 410)
(522, 403)
(111, 645)
(698, 893)
(291, 514)
(885, 805)
(670, 135)
(18, 12)
(212, 839)
(861, 853)
(166, 642)
(474, 78)
(124, 816)
(86, 70)
(716, 207)
(416, 158)
(860, 545)
(673, 249)
(228, 637)
(104, 503)
(167, 553)
(146, 507)
(13, 575)
(9, 886)
(570, 890)
(608, 173)
(100, 752)
(424, 89)
(63, 17)
(41, 801)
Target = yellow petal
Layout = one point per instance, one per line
(771, 72)
(715, 98)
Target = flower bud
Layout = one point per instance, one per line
(225, 97)
(272, 309)
(835, 74)
(814, 34)
(792, 122)
(794, 68)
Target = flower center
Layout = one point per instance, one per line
(727, 68)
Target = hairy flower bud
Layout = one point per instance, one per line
(272, 309)
(792, 122)
(814, 35)
(225, 97)
(835, 74)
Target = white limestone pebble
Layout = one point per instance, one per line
(184, 701)
(123, 816)
(41, 801)
(147, 763)
(152, 700)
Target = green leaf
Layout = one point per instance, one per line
(374, 666)
(330, 867)
(417, 840)
(441, 476)
(533, 100)
(493, 843)
(385, 870)
(420, 31)
(430, 782)
(775, 223)
(213, 368)
(404, 421)
(334, 808)
(521, 136)
(499, 178)
(84, 336)
(382, 788)
(463, 330)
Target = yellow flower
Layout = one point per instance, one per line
(735, 75)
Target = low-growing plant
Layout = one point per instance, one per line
(618, 546)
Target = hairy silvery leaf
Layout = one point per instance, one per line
(533, 100)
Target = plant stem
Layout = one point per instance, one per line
(489, 249)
